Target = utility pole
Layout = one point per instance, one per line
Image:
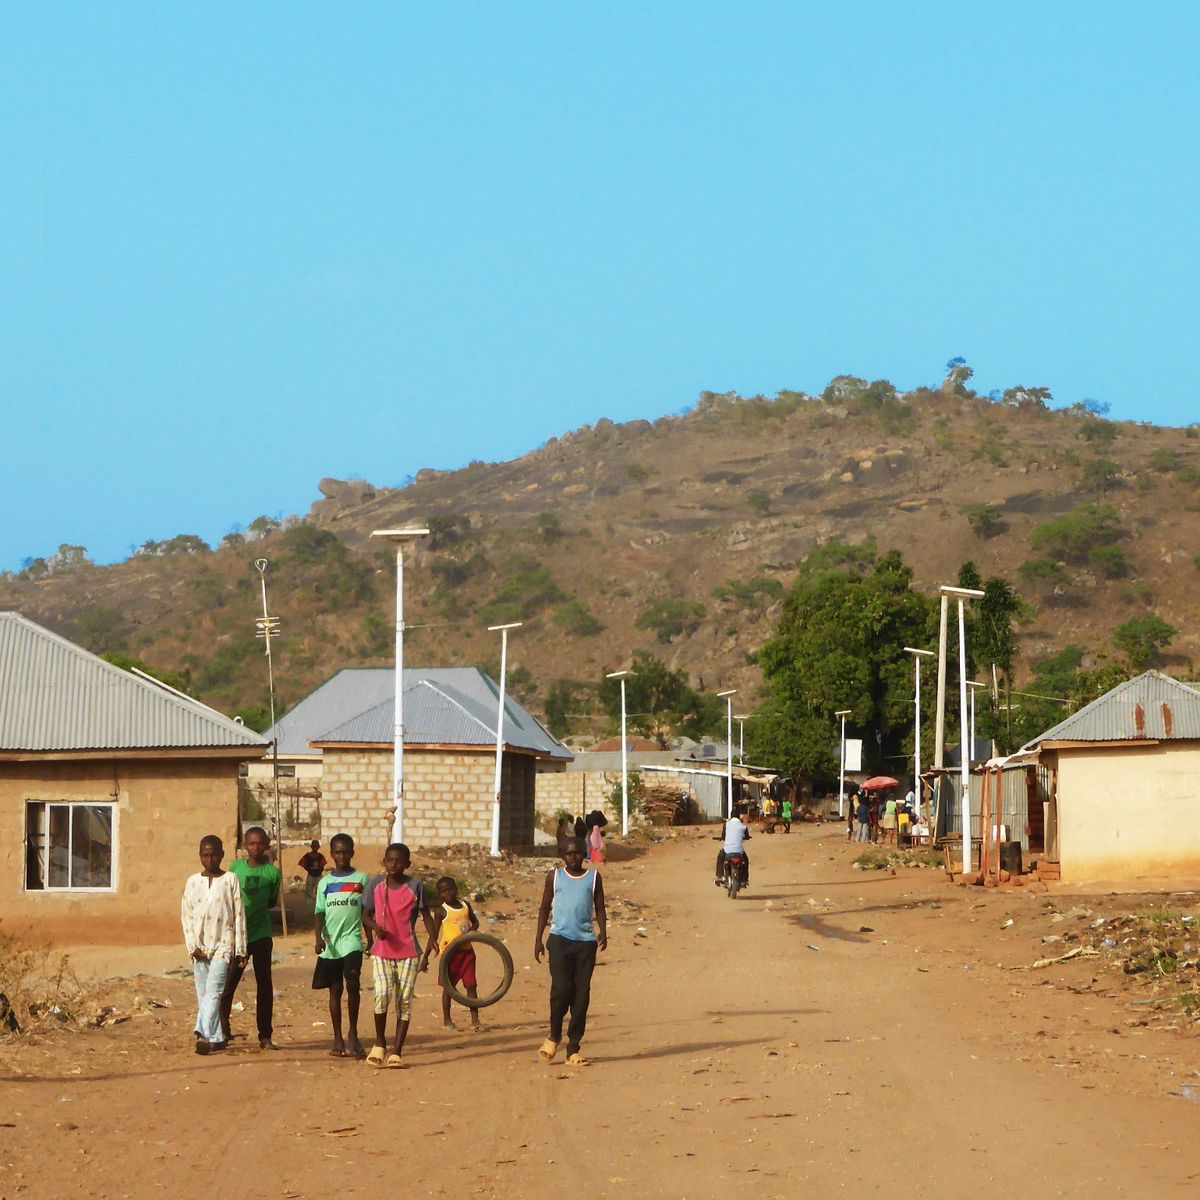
(267, 628)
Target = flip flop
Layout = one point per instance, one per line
(395, 1062)
(375, 1058)
(577, 1060)
(336, 1053)
(547, 1050)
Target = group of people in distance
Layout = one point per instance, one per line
(880, 818)
(227, 926)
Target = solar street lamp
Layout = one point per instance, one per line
(961, 595)
(624, 754)
(503, 631)
(729, 695)
(398, 537)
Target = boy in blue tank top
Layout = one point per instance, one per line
(571, 895)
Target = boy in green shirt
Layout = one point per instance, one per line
(260, 880)
(340, 942)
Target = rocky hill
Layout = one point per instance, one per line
(677, 536)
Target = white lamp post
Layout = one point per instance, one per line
(741, 719)
(917, 656)
(729, 695)
(624, 755)
(503, 631)
(974, 688)
(399, 537)
(843, 713)
(962, 595)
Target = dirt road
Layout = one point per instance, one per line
(834, 1032)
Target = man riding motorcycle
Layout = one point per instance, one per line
(736, 836)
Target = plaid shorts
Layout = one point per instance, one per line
(398, 975)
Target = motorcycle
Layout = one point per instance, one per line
(733, 874)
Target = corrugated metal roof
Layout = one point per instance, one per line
(56, 696)
(453, 706)
(1152, 705)
(345, 695)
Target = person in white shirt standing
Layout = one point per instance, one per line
(736, 836)
(214, 931)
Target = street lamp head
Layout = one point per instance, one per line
(730, 692)
(843, 712)
(961, 592)
(922, 653)
(617, 674)
(741, 716)
(399, 535)
(972, 683)
(512, 625)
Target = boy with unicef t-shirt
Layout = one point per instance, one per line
(340, 942)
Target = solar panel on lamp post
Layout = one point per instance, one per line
(729, 695)
(399, 537)
(503, 631)
(624, 755)
(961, 595)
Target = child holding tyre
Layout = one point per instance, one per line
(451, 919)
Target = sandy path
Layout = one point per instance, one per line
(727, 1050)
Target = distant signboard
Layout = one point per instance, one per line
(854, 754)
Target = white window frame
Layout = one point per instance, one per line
(45, 805)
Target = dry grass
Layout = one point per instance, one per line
(37, 988)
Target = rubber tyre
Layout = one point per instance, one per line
(482, 939)
(732, 885)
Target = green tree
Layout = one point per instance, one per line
(839, 643)
(660, 702)
(1144, 639)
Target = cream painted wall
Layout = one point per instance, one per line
(1129, 814)
(164, 807)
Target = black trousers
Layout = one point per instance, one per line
(571, 967)
(259, 953)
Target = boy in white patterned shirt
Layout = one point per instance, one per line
(214, 931)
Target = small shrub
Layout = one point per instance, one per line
(1110, 561)
(1074, 534)
(1164, 460)
(986, 520)
(1046, 570)
(575, 618)
(1100, 475)
(1099, 433)
(760, 502)
(636, 473)
(549, 527)
(1137, 592)
(671, 617)
(751, 593)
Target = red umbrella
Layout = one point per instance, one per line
(879, 782)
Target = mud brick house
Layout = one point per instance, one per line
(449, 756)
(108, 780)
(1124, 771)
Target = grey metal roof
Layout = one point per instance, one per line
(1152, 705)
(454, 706)
(345, 695)
(56, 696)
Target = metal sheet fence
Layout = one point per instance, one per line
(1015, 814)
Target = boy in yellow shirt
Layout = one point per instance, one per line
(452, 919)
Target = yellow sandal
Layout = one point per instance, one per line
(548, 1049)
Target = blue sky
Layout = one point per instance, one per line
(249, 245)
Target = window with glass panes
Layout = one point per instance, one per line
(69, 846)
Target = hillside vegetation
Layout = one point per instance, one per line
(679, 538)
